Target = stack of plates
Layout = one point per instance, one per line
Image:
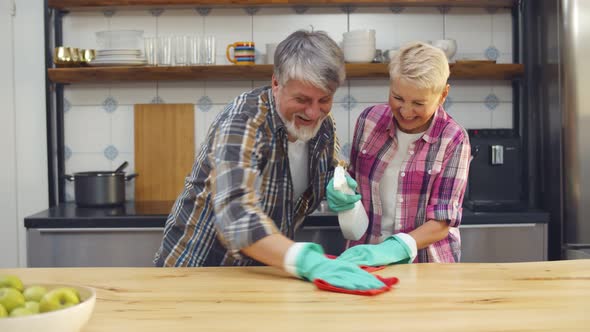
(118, 57)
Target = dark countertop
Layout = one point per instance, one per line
(153, 214)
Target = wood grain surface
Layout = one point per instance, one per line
(164, 149)
(464, 70)
(538, 296)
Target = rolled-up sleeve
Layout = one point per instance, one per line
(239, 219)
(448, 188)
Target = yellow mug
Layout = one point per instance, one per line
(243, 54)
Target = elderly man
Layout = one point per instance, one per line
(263, 168)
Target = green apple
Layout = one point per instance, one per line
(22, 311)
(33, 306)
(59, 298)
(3, 312)
(10, 298)
(34, 293)
(11, 282)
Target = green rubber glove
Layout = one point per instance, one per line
(339, 201)
(311, 264)
(394, 250)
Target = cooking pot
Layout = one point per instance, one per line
(100, 188)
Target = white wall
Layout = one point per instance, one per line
(8, 209)
(23, 144)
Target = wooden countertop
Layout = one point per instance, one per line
(538, 296)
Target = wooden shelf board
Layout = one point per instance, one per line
(488, 71)
(72, 4)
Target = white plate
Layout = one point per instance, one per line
(119, 58)
(118, 63)
(117, 51)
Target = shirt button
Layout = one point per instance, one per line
(403, 174)
(401, 200)
(364, 151)
(429, 171)
(411, 152)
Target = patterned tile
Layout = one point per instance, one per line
(67, 105)
(67, 152)
(134, 93)
(492, 101)
(492, 53)
(157, 100)
(110, 105)
(204, 104)
(341, 115)
(469, 91)
(111, 152)
(223, 92)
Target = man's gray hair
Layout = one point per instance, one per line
(312, 57)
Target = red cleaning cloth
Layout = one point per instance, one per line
(321, 284)
(364, 267)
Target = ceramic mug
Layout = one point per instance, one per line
(243, 54)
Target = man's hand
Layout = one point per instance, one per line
(396, 249)
(339, 201)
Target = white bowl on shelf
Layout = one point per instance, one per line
(119, 39)
(359, 34)
(448, 46)
(71, 319)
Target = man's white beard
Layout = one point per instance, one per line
(305, 133)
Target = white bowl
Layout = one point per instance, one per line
(358, 55)
(449, 46)
(119, 39)
(70, 319)
(366, 34)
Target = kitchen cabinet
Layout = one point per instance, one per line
(504, 242)
(83, 247)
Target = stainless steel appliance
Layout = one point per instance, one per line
(575, 89)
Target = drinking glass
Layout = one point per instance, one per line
(151, 50)
(181, 50)
(165, 50)
(194, 50)
(209, 50)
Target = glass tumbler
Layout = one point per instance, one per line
(151, 50)
(165, 50)
(181, 50)
(209, 50)
(195, 50)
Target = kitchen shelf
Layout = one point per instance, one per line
(475, 70)
(71, 4)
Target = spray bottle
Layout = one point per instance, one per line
(353, 222)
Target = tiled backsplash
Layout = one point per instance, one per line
(99, 117)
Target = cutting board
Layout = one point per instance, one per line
(164, 149)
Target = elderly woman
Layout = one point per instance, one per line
(410, 160)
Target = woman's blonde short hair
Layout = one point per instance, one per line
(420, 64)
